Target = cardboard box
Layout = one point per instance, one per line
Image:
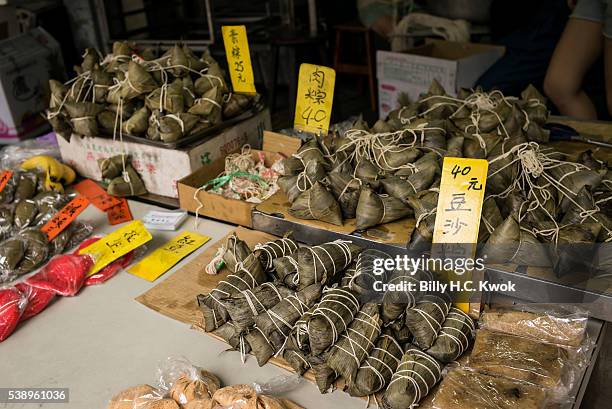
(28, 61)
(454, 65)
(159, 167)
(218, 207)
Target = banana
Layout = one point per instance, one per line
(69, 175)
(54, 171)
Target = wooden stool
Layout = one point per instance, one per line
(366, 69)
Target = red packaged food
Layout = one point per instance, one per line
(12, 304)
(64, 274)
(110, 270)
(38, 299)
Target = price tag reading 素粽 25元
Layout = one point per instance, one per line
(315, 97)
(239, 59)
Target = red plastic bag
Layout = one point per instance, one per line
(64, 274)
(110, 270)
(12, 304)
(38, 299)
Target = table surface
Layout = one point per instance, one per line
(103, 341)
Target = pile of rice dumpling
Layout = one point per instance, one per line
(132, 92)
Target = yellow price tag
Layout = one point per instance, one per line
(117, 244)
(462, 189)
(163, 258)
(239, 59)
(315, 97)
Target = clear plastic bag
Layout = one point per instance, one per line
(564, 326)
(463, 388)
(137, 395)
(522, 359)
(37, 299)
(12, 305)
(64, 274)
(12, 156)
(184, 382)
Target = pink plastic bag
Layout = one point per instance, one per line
(38, 299)
(12, 305)
(64, 274)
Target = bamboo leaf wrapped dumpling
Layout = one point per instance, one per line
(416, 375)
(330, 319)
(376, 371)
(454, 337)
(83, 117)
(402, 188)
(138, 81)
(138, 123)
(128, 184)
(374, 209)
(323, 263)
(426, 318)
(317, 203)
(355, 344)
(346, 189)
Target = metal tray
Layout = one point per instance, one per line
(531, 289)
(200, 137)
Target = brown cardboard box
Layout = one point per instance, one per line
(230, 210)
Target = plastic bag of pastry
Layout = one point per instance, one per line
(184, 382)
(12, 305)
(520, 358)
(26, 186)
(246, 397)
(126, 398)
(6, 221)
(552, 324)
(463, 388)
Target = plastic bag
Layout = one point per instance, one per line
(185, 382)
(37, 299)
(520, 358)
(64, 274)
(551, 324)
(463, 388)
(12, 305)
(113, 268)
(12, 156)
(138, 395)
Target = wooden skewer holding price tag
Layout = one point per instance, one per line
(315, 97)
(239, 59)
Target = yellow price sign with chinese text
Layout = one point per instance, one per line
(462, 189)
(239, 59)
(117, 244)
(315, 97)
(165, 257)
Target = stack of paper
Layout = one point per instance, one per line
(157, 220)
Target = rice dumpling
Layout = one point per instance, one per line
(355, 344)
(322, 263)
(317, 203)
(272, 250)
(374, 209)
(128, 184)
(346, 190)
(426, 318)
(378, 368)
(331, 318)
(416, 375)
(454, 336)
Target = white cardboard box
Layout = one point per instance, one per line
(161, 168)
(454, 65)
(27, 61)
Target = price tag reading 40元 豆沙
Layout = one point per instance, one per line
(315, 97)
(462, 189)
(239, 59)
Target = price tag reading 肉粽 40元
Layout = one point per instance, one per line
(117, 244)
(239, 59)
(315, 97)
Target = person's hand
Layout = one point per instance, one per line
(571, 4)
